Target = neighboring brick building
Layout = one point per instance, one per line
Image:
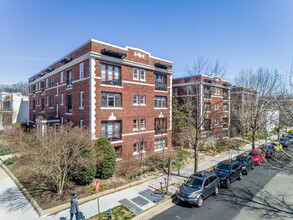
(121, 93)
(242, 101)
(212, 95)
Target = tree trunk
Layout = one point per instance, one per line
(253, 139)
(195, 158)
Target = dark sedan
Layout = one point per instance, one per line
(246, 162)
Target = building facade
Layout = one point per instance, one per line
(13, 108)
(243, 101)
(212, 98)
(121, 93)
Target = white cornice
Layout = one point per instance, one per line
(101, 57)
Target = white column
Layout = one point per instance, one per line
(92, 98)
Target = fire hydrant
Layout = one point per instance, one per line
(109, 214)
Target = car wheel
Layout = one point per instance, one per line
(240, 176)
(200, 202)
(228, 183)
(216, 190)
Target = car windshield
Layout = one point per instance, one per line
(241, 159)
(254, 154)
(193, 182)
(223, 167)
(273, 144)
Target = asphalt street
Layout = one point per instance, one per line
(228, 203)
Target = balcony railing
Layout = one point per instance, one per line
(112, 82)
(161, 86)
(160, 131)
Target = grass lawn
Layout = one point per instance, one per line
(119, 212)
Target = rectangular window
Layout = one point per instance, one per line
(69, 103)
(160, 101)
(51, 102)
(217, 91)
(135, 124)
(111, 99)
(111, 130)
(189, 90)
(160, 125)
(61, 99)
(207, 106)
(118, 152)
(81, 123)
(111, 74)
(160, 143)
(175, 91)
(43, 86)
(217, 106)
(135, 148)
(135, 99)
(225, 122)
(43, 105)
(142, 75)
(207, 92)
(34, 105)
(142, 124)
(135, 74)
(142, 99)
(34, 89)
(61, 77)
(68, 79)
(207, 124)
(51, 82)
(47, 101)
(47, 82)
(225, 107)
(225, 94)
(81, 73)
(81, 99)
(160, 82)
(217, 121)
(142, 146)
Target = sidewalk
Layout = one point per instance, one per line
(137, 198)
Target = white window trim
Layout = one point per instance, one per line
(81, 106)
(61, 77)
(136, 104)
(61, 99)
(81, 71)
(81, 123)
(137, 74)
(144, 76)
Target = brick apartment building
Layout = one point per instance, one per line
(212, 95)
(241, 101)
(121, 93)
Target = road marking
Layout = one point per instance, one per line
(178, 217)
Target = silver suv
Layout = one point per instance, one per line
(198, 187)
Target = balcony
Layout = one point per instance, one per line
(112, 82)
(161, 86)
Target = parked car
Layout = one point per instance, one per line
(276, 145)
(283, 141)
(247, 163)
(290, 140)
(257, 156)
(198, 187)
(268, 150)
(228, 171)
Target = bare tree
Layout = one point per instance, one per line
(59, 154)
(195, 120)
(21, 87)
(265, 83)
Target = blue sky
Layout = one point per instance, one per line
(243, 33)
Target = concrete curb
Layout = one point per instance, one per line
(151, 212)
(22, 189)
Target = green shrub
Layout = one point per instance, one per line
(144, 171)
(290, 131)
(183, 153)
(139, 173)
(134, 175)
(180, 159)
(85, 176)
(107, 167)
(8, 161)
(131, 177)
(4, 152)
(152, 169)
(161, 165)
